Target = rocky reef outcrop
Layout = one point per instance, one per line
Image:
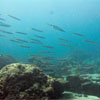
(84, 85)
(25, 81)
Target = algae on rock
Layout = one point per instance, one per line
(25, 81)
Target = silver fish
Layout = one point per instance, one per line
(36, 30)
(64, 45)
(22, 40)
(5, 25)
(91, 42)
(57, 28)
(24, 46)
(39, 36)
(62, 39)
(78, 34)
(6, 32)
(14, 17)
(22, 33)
(45, 52)
(50, 47)
(2, 19)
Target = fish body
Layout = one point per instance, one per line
(6, 32)
(14, 17)
(57, 28)
(24, 46)
(35, 42)
(36, 30)
(4, 25)
(22, 40)
(22, 33)
(78, 34)
(1, 22)
(91, 42)
(50, 47)
(64, 40)
(39, 36)
(64, 45)
(15, 41)
(1, 35)
(2, 19)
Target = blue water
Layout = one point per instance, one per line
(80, 16)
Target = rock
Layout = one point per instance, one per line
(74, 83)
(25, 81)
(68, 95)
(75, 96)
(64, 84)
(83, 85)
(92, 89)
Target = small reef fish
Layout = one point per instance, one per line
(64, 45)
(48, 58)
(50, 47)
(22, 33)
(34, 55)
(35, 42)
(4, 25)
(36, 29)
(13, 17)
(1, 22)
(2, 19)
(15, 41)
(64, 40)
(91, 42)
(22, 40)
(1, 35)
(39, 36)
(57, 28)
(6, 32)
(78, 34)
(24, 46)
(46, 52)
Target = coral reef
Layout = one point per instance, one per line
(25, 81)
